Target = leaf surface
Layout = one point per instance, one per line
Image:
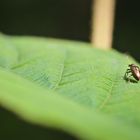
(70, 86)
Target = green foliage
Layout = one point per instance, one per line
(69, 86)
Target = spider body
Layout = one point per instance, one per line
(133, 71)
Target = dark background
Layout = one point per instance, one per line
(70, 19)
(13, 128)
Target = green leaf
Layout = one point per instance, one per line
(69, 86)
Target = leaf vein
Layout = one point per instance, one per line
(104, 103)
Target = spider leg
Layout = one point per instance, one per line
(130, 75)
(127, 76)
(127, 72)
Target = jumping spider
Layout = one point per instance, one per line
(134, 71)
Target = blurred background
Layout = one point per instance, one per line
(70, 19)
